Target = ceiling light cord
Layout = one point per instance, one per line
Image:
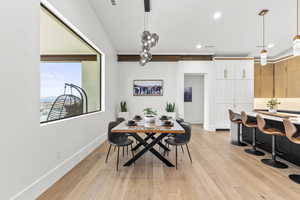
(297, 17)
(264, 32)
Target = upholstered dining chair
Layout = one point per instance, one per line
(181, 139)
(118, 140)
(235, 118)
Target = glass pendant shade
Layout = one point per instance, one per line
(263, 57)
(296, 46)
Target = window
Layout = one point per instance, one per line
(70, 71)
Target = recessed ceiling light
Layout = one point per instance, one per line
(271, 45)
(199, 46)
(217, 15)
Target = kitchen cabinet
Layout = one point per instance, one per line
(280, 79)
(235, 89)
(293, 77)
(264, 81)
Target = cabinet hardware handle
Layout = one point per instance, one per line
(244, 73)
(225, 73)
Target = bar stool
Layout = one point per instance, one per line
(274, 132)
(290, 131)
(235, 118)
(253, 125)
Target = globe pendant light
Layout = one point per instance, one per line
(264, 52)
(149, 40)
(296, 45)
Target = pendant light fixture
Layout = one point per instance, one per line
(296, 46)
(149, 40)
(264, 52)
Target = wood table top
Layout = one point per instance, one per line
(143, 127)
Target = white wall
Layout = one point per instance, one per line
(34, 156)
(130, 71)
(194, 111)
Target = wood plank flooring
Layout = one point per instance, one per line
(219, 171)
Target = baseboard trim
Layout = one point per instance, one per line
(222, 129)
(35, 189)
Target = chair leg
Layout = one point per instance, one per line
(132, 153)
(115, 148)
(123, 151)
(273, 162)
(176, 155)
(187, 148)
(182, 149)
(127, 150)
(254, 151)
(108, 153)
(118, 159)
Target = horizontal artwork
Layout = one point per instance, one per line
(147, 87)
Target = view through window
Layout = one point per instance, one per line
(69, 71)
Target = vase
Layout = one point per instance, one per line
(272, 110)
(149, 119)
(124, 115)
(171, 114)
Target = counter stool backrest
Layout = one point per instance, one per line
(233, 116)
(244, 117)
(261, 123)
(290, 130)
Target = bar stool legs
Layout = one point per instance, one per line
(238, 142)
(254, 151)
(273, 162)
(295, 178)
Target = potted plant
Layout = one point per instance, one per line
(149, 115)
(124, 113)
(170, 109)
(272, 105)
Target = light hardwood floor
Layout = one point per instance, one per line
(219, 171)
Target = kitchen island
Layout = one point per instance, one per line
(286, 149)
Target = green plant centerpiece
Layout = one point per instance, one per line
(123, 106)
(272, 105)
(149, 115)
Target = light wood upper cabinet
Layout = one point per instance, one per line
(280, 79)
(293, 77)
(263, 81)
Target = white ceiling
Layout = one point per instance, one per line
(181, 24)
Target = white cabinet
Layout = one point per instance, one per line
(224, 91)
(234, 89)
(236, 69)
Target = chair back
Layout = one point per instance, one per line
(188, 132)
(261, 123)
(233, 116)
(290, 129)
(244, 117)
(120, 119)
(114, 137)
(179, 120)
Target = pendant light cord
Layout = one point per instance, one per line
(297, 17)
(264, 31)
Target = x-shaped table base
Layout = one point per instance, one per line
(149, 147)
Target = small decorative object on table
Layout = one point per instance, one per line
(149, 115)
(124, 113)
(170, 108)
(272, 105)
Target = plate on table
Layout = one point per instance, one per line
(131, 123)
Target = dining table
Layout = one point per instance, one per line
(156, 131)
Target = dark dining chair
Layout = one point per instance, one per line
(181, 139)
(118, 140)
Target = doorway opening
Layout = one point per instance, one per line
(194, 98)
